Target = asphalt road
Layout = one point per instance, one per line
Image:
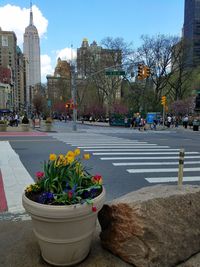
(118, 181)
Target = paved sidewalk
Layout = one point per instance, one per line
(14, 175)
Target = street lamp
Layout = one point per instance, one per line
(74, 92)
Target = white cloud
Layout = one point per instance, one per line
(46, 67)
(15, 18)
(66, 54)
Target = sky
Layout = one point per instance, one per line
(63, 24)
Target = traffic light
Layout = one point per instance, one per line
(140, 72)
(67, 105)
(147, 71)
(163, 100)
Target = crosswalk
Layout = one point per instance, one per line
(155, 163)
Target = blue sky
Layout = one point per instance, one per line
(65, 22)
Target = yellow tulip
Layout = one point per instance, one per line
(70, 159)
(65, 162)
(77, 152)
(86, 156)
(52, 157)
(28, 189)
(70, 154)
(61, 157)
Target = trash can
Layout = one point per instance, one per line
(195, 125)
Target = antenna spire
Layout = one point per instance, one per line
(31, 14)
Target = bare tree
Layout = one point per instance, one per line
(182, 107)
(39, 103)
(181, 74)
(110, 56)
(156, 52)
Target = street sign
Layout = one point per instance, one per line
(115, 72)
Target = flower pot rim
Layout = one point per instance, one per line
(62, 211)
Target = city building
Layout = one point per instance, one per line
(59, 86)
(191, 31)
(31, 50)
(94, 58)
(21, 80)
(5, 96)
(8, 65)
(93, 62)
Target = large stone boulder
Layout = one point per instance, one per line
(157, 226)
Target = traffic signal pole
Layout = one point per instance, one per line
(163, 116)
(163, 103)
(73, 86)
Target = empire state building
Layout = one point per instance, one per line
(31, 49)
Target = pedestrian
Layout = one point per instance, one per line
(185, 121)
(133, 122)
(155, 124)
(141, 124)
(16, 120)
(169, 120)
(33, 119)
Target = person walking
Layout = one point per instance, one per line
(169, 121)
(16, 119)
(185, 121)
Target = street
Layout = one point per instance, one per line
(126, 158)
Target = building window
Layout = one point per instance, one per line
(4, 40)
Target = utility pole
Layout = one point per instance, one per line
(74, 91)
(163, 116)
(163, 103)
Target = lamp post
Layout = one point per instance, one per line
(74, 91)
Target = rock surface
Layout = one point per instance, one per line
(156, 226)
(192, 262)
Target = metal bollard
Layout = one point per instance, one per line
(180, 167)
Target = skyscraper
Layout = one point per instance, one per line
(31, 49)
(191, 31)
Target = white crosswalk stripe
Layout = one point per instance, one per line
(161, 170)
(153, 163)
(121, 152)
(123, 145)
(141, 153)
(149, 158)
(132, 149)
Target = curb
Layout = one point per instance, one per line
(3, 202)
(22, 134)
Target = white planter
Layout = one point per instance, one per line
(48, 127)
(65, 232)
(3, 127)
(25, 127)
